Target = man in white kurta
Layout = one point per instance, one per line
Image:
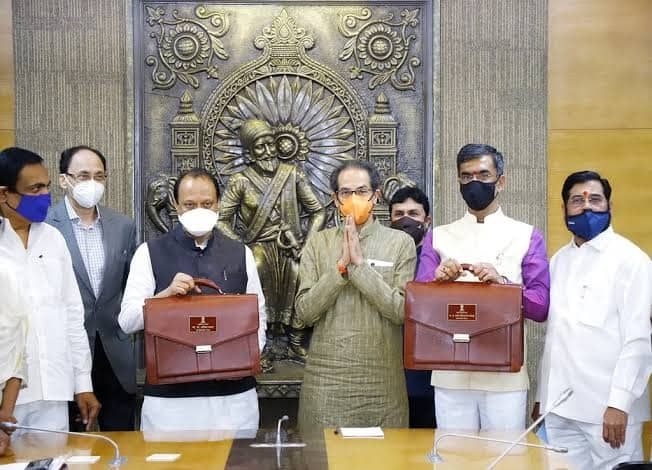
(13, 336)
(166, 267)
(58, 355)
(598, 337)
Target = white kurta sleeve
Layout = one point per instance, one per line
(13, 327)
(254, 287)
(140, 286)
(81, 353)
(632, 372)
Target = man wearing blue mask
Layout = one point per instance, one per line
(58, 356)
(598, 336)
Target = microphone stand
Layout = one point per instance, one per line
(117, 461)
(434, 457)
(563, 396)
(278, 445)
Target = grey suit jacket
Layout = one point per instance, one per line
(101, 313)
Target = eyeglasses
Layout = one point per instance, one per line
(594, 200)
(363, 191)
(83, 176)
(483, 176)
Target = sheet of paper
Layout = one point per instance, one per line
(14, 466)
(80, 459)
(362, 433)
(162, 457)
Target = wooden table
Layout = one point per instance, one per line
(400, 449)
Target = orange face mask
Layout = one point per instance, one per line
(359, 207)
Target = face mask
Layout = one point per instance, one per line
(198, 222)
(88, 193)
(415, 228)
(357, 206)
(478, 195)
(588, 224)
(33, 208)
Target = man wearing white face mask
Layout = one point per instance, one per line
(101, 243)
(165, 267)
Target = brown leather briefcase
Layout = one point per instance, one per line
(201, 337)
(463, 326)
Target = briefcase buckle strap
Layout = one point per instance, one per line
(203, 348)
(461, 338)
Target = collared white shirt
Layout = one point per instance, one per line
(598, 337)
(141, 285)
(90, 240)
(58, 355)
(13, 327)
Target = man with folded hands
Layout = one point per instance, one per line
(166, 267)
(351, 287)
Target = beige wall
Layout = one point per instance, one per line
(600, 108)
(72, 85)
(7, 121)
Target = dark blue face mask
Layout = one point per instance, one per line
(33, 207)
(588, 224)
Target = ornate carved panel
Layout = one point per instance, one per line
(335, 81)
(320, 83)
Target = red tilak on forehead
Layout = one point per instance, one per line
(586, 193)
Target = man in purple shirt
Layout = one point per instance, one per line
(498, 249)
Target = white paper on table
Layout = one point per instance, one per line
(74, 459)
(162, 457)
(373, 432)
(14, 466)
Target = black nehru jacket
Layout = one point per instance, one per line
(222, 261)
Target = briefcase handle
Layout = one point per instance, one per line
(201, 281)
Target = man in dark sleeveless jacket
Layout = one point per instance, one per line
(165, 267)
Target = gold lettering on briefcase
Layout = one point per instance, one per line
(462, 312)
(203, 323)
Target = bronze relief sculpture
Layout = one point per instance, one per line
(273, 127)
(262, 206)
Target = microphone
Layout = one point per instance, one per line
(117, 461)
(563, 396)
(279, 444)
(434, 457)
(278, 429)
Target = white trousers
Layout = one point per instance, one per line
(473, 410)
(43, 414)
(586, 448)
(231, 412)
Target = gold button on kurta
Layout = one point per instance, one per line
(354, 372)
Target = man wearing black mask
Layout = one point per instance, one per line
(409, 211)
(499, 250)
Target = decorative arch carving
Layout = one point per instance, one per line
(318, 118)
